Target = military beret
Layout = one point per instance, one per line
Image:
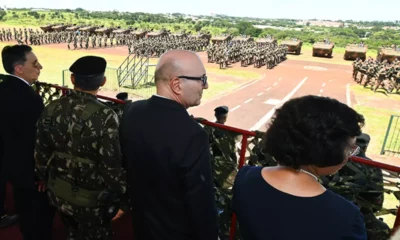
(122, 96)
(363, 140)
(221, 110)
(89, 65)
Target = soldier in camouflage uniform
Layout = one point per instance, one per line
(78, 155)
(223, 149)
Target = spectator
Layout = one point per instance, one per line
(308, 137)
(167, 156)
(21, 107)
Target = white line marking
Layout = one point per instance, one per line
(272, 101)
(332, 80)
(271, 112)
(348, 95)
(319, 94)
(268, 88)
(235, 108)
(275, 84)
(261, 93)
(323, 85)
(279, 79)
(321, 91)
(249, 100)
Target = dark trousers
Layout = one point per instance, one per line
(35, 214)
(2, 197)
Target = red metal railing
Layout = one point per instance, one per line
(246, 134)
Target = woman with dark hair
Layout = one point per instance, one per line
(308, 137)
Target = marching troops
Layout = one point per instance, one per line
(247, 53)
(377, 74)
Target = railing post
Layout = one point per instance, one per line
(387, 135)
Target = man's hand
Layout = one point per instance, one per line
(41, 186)
(118, 216)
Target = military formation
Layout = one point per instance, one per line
(376, 74)
(247, 53)
(156, 46)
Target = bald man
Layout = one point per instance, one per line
(167, 156)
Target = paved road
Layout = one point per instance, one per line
(252, 105)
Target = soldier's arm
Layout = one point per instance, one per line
(111, 171)
(43, 149)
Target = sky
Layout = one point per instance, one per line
(382, 10)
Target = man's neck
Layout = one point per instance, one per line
(170, 96)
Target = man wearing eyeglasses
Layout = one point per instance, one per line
(167, 156)
(17, 138)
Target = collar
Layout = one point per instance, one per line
(21, 79)
(82, 94)
(166, 102)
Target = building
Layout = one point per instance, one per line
(317, 23)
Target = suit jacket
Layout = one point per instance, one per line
(20, 107)
(168, 161)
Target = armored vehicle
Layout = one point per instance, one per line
(161, 33)
(104, 30)
(267, 40)
(47, 28)
(323, 49)
(89, 29)
(243, 39)
(388, 53)
(60, 27)
(294, 45)
(73, 28)
(219, 39)
(354, 51)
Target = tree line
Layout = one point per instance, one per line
(374, 36)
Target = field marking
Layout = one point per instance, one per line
(279, 79)
(321, 91)
(272, 101)
(268, 89)
(323, 85)
(275, 83)
(261, 93)
(348, 95)
(235, 108)
(271, 112)
(249, 100)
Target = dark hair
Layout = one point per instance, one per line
(312, 130)
(12, 55)
(88, 83)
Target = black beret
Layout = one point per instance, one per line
(122, 96)
(363, 140)
(221, 110)
(89, 65)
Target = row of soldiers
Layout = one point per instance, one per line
(8, 35)
(156, 46)
(377, 74)
(225, 53)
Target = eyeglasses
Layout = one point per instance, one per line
(202, 78)
(354, 151)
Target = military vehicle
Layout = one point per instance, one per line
(140, 33)
(181, 34)
(323, 49)
(388, 53)
(73, 28)
(219, 39)
(294, 45)
(120, 30)
(160, 33)
(266, 40)
(89, 29)
(354, 51)
(104, 30)
(47, 28)
(242, 39)
(60, 27)
(203, 35)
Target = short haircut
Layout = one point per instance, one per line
(312, 130)
(12, 55)
(88, 83)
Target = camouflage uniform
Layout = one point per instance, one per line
(78, 152)
(223, 150)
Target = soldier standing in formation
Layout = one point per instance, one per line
(78, 155)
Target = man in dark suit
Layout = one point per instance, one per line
(168, 158)
(17, 135)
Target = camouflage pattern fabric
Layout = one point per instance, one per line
(98, 141)
(225, 165)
